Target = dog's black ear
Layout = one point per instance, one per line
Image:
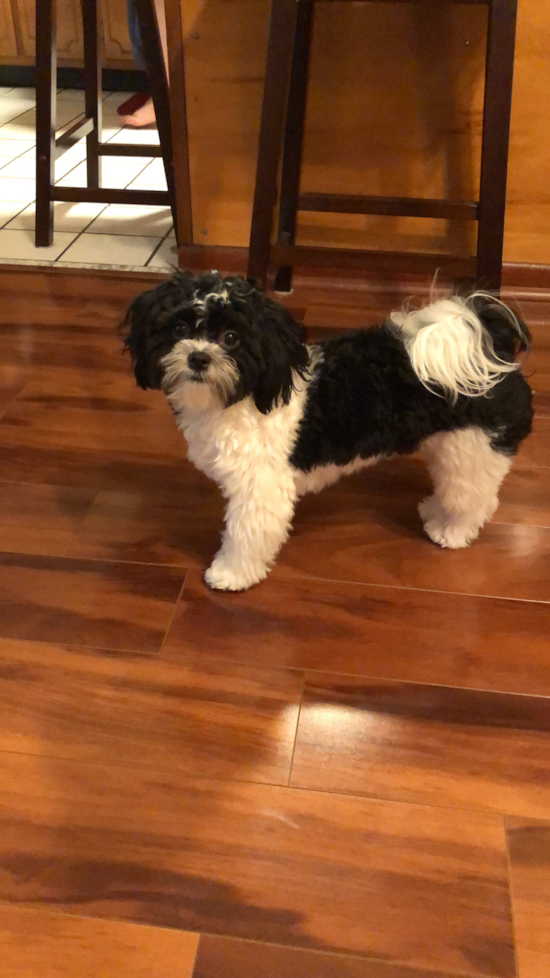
(284, 353)
(142, 328)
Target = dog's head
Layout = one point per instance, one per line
(209, 339)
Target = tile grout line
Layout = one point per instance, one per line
(71, 243)
(156, 250)
(85, 229)
(29, 204)
(10, 219)
(78, 235)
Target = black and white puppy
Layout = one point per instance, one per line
(270, 418)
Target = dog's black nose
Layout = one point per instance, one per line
(199, 360)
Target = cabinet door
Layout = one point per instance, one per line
(115, 32)
(69, 29)
(8, 43)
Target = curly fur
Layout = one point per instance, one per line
(270, 418)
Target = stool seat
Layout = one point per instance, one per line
(282, 135)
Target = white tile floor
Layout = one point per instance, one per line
(114, 235)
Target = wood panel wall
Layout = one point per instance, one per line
(395, 108)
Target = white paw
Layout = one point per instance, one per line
(447, 531)
(223, 577)
(454, 536)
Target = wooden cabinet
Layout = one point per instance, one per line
(17, 33)
(395, 109)
(8, 43)
(115, 33)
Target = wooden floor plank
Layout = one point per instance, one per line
(39, 519)
(536, 449)
(390, 633)
(184, 527)
(412, 885)
(86, 348)
(506, 561)
(141, 791)
(529, 849)
(541, 401)
(102, 460)
(92, 404)
(48, 945)
(106, 605)
(12, 381)
(525, 497)
(427, 744)
(168, 528)
(365, 529)
(222, 957)
(205, 719)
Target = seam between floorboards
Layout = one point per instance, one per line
(186, 566)
(511, 891)
(189, 778)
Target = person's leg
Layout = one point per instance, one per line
(139, 110)
(135, 36)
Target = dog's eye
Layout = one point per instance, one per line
(182, 329)
(229, 340)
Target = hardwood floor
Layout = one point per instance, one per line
(57, 946)
(529, 847)
(342, 772)
(222, 957)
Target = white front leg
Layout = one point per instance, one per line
(257, 521)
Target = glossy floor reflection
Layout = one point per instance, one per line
(342, 772)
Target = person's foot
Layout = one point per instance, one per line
(137, 111)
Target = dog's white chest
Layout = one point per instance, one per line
(237, 444)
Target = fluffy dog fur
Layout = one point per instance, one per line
(270, 418)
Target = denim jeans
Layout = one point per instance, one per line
(135, 36)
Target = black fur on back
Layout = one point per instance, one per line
(365, 400)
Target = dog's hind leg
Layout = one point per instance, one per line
(467, 473)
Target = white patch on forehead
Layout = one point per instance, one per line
(201, 302)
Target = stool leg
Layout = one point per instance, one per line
(178, 116)
(279, 60)
(46, 98)
(294, 137)
(157, 80)
(92, 89)
(496, 134)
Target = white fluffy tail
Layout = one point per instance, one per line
(450, 348)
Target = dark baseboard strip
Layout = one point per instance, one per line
(113, 79)
(46, 295)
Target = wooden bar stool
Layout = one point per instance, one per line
(51, 145)
(282, 133)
